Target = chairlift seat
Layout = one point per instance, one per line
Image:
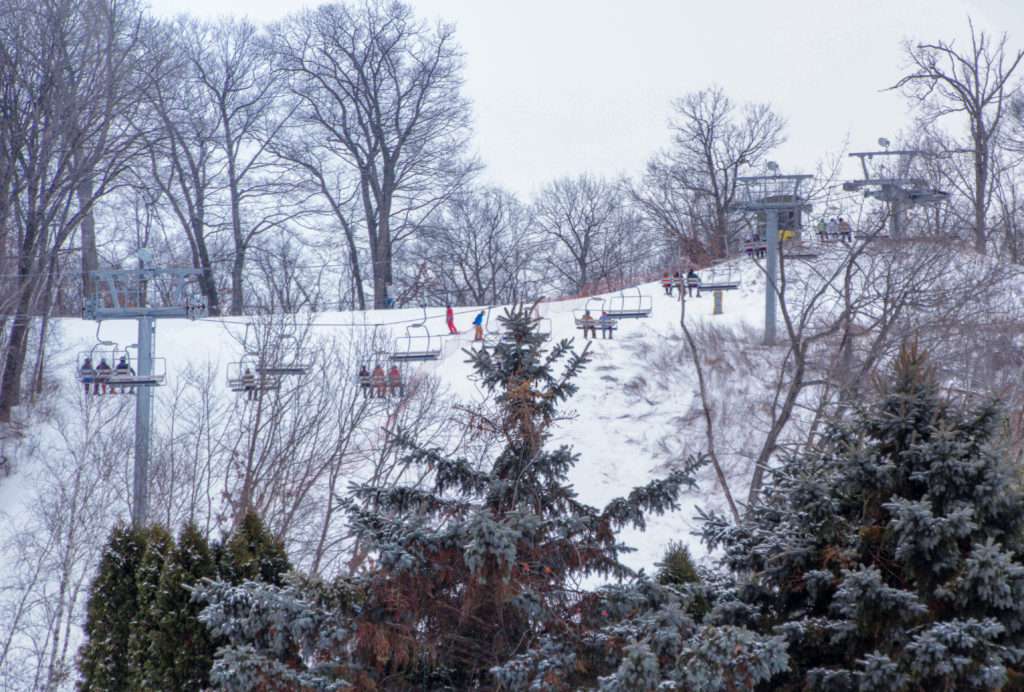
(629, 306)
(278, 370)
(612, 323)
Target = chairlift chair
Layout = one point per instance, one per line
(595, 306)
(290, 365)
(630, 306)
(260, 381)
(111, 353)
(417, 344)
(719, 277)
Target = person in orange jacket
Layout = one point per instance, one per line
(380, 382)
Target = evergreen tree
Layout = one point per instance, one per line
(179, 648)
(103, 659)
(159, 546)
(252, 553)
(476, 568)
(480, 563)
(890, 559)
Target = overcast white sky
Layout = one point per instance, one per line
(562, 87)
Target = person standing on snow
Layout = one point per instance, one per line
(449, 319)
(478, 327)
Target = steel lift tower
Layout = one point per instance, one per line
(771, 194)
(900, 190)
(122, 294)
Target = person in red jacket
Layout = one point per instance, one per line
(380, 383)
(395, 381)
(666, 283)
(449, 318)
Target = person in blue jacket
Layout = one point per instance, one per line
(478, 327)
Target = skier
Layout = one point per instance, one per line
(606, 323)
(364, 381)
(449, 319)
(478, 327)
(395, 381)
(380, 382)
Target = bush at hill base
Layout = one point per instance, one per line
(889, 559)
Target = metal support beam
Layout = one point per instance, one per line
(143, 420)
(771, 274)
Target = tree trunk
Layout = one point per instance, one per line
(90, 260)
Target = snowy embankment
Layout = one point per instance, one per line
(629, 422)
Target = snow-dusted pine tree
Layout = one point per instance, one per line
(178, 649)
(477, 566)
(890, 559)
(103, 659)
(481, 561)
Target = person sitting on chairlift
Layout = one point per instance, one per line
(692, 282)
(86, 373)
(606, 323)
(380, 382)
(364, 381)
(249, 384)
(666, 283)
(587, 321)
(123, 368)
(102, 374)
(844, 230)
(395, 381)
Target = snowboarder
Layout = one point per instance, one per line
(395, 381)
(364, 381)
(449, 319)
(606, 324)
(478, 327)
(380, 382)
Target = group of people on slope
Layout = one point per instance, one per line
(378, 382)
(100, 375)
(676, 281)
(478, 323)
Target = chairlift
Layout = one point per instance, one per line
(719, 277)
(107, 365)
(629, 305)
(289, 365)
(542, 329)
(245, 376)
(595, 306)
(417, 344)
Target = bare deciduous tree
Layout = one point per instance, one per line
(382, 91)
(689, 187)
(977, 82)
